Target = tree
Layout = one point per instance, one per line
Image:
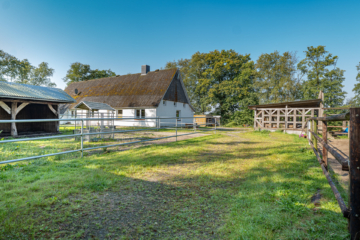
(220, 81)
(40, 76)
(316, 66)
(21, 71)
(8, 66)
(82, 72)
(276, 79)
(356, 88)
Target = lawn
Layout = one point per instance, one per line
(230, 185)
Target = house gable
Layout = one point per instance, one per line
(176, 91)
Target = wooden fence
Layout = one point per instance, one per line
(352, 213)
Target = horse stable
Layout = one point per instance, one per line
(22, 101)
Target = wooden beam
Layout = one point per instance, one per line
(57, 124)
(52, 109)
(30, 101)
(19, 108)
(14, 132)
(5, 107)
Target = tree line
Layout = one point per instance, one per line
(226, 82)
(21, 71)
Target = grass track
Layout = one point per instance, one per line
(227, 186)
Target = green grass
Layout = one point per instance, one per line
(254, 185)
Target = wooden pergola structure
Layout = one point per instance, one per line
(286, 115)
(26, 102)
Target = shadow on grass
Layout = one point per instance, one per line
(257, 199)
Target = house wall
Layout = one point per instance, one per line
(169, 111)
(162, 111)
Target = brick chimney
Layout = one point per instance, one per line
(145, 69)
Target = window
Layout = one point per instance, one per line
(140, 113)
(164, 102)
(175, 104)
(178, 114)
(184, 105)
(120, 113)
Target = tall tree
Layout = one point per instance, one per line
(356, 89)
(8, 66)
(21, 71)
(40, 76)
(276, 79)
(322, 74)
(82, 72)
(220, 81)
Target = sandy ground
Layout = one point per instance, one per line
(342, 146)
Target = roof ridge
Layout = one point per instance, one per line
(96, 79)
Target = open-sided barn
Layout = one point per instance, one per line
(22, 101)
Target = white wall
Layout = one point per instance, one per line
(131, 113)
(169, 111)
(162, 111)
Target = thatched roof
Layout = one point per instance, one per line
(127, 91)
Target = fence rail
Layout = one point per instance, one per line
(172, 124)
(352, 165)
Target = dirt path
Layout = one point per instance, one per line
(342, 146)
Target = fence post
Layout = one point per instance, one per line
(176, 120)
(215, 125)
(324, 151)
(354, 172)
(315, 131)
(82, 137)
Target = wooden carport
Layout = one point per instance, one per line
(22, 101)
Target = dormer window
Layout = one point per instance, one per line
(175, 103)
(184, 105)
(164, 102)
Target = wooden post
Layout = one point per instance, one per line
(354, 173)
(255, 119)
(315, 131)
(57, 124)
(324, 133)
(286, 117)
(294, 119)
(13, 117)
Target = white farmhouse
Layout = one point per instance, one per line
(135, 97)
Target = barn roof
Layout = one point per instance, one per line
(30, 92)
(126, 91)
(93, 106)
(313, 103)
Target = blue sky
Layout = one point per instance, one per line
(123, 35)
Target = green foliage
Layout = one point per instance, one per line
(221, 81)
(82, 72)
(21, 71)
(276, 79)
(316, 66)
(356, 89)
